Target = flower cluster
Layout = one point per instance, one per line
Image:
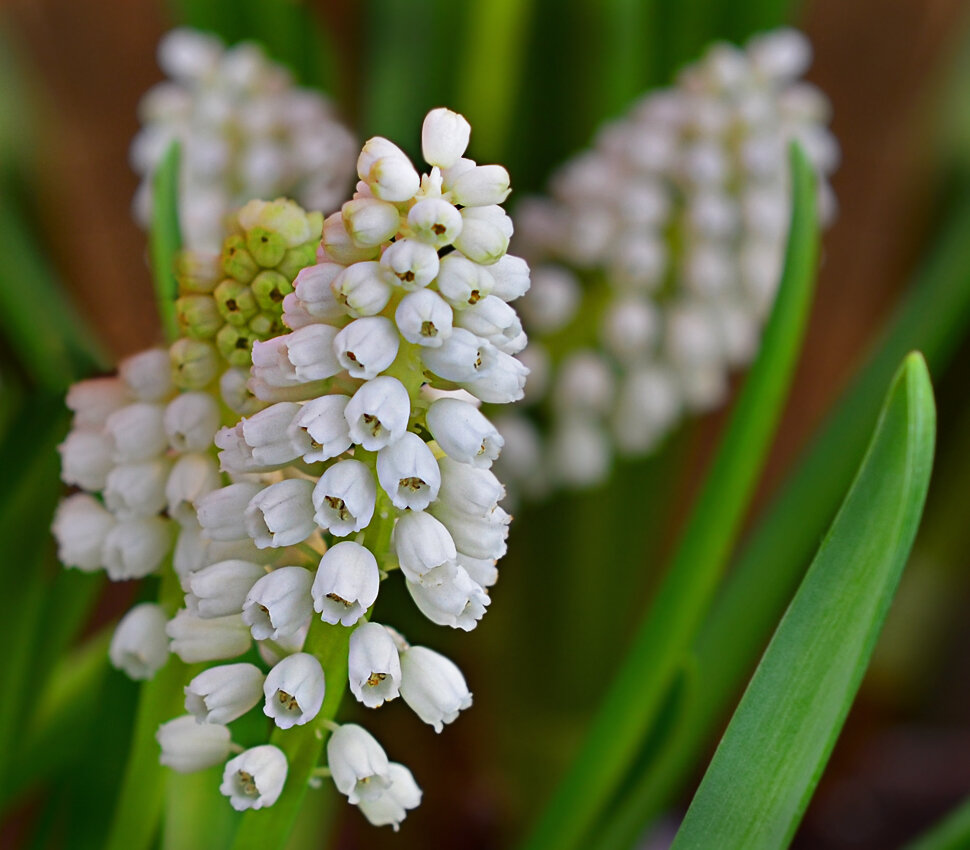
(657, 257)
(245, 131)
(373, 456)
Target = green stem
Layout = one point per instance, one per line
(165, 240)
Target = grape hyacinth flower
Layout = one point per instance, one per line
(656, 258)
(245, 130)
(366, 455)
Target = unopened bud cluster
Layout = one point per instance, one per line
(374, 457)
(245, 132)
(657, 257)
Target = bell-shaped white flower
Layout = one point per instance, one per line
(255, 778)
(415, 264)
(358, 764)
(191, 421)
(468, 489)
(444, 137)
(221, 694)
(421, 544)
(137, 432)
(147, 375)
(435, 222)
(195, 639)
(86, 459)
(310, 351)
(408, 472)
(221, 588)
(346, 583)
(278, 604)
(139, 645)
(463, 432)
(511, 277)
(370, 222)
(80, 526)
(344, 498)
(433, 686)
(193, 476)
(221, 512)
(484, 236)
(281, 515)
(480, 186)
(137, 489)
(294, 690)
(501, 381)
(377, 414)
(392, 806)
(188, 746)
(424, 318)
(261, 442)
(456, 601)
(481, 537)
(363, 289)
(374, 667)
(461, 357)
(236, 395)
(367, 346)
(94, 400)
(385, 168)
(135, 548)
(462, 282)
(313, 291)
(492, 319)
(482, 571)
(321, 429)
(340, 247)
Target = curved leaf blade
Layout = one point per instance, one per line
(778, 742)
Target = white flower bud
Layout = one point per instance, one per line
(310, 351)
(340, 247)
(580, 451)
(424, 318)
(366, 347)
(139, 646)
(385, 168)
(408, 472)
(414, 264)
(137, 431)
(433, 686)
(192, 477)
(553, 299)
(481, 186)
(314, 292)
(148, 374)
(501, 381)
(358, 764)
(484, 236)
(80, 526)
(456, 601)
(137, 489)
(584, 383)
(370, 222)
(221, 511)
(363, 289)
(481, 537)
(346, 583)
(463, 432)
(95, 399)
(234, 391)
(435, 222)
(468, 490)
(261, 442)
(213, 639)
(391, 807)
(222, 694)
(344, 498)
(188, 55)
(422, 544)
(462, 282)
(135, 548)
(461, 357)
(320, 428)
(378, 413)
(630, 328)
(294, 690)
(191, 421)
(510, 277)
(188, 746)
(281, 515)
(86, 459)
(374, 669)
(254, 778)
(220, 589)
(444, 137)
(492, 319)
(278, 604)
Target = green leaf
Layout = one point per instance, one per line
(778, 742)
(632, 703)
(951, 833)
(165, 239)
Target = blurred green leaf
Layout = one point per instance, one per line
(951, 833)
(630, 706)
(773, 753)
(165, 239)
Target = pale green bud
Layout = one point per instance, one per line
(196, 271)
(297, 259)
(236, 345)
(236, 261)
(266, 246)
(198, 316)
(195, 363)
(236, 302)
(269, 289)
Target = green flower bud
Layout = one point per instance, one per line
(236, 302)
(298, 258)
(236, 345)
(197, 272)
(266, 246)
(265, 325)
(282, 216)
(269, 288)
(236, 261)
(195, 363)
(198, 316)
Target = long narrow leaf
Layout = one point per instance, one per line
(644, 678)
(165, 239)
(951, 833)
(778, 742)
